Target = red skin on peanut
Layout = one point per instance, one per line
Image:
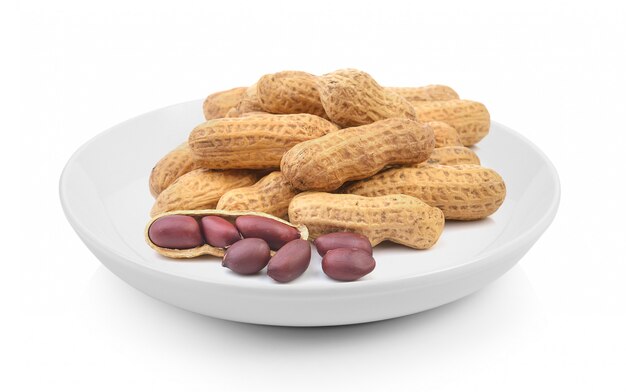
(347, 264)
(218, 231)
(290, 261)
(342, 239)
(275, 233)
(175, 232)
(247, 256)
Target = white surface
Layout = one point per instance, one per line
(552, 70)
(108, 206)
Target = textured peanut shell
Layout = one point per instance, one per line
(351, 98)
(464, 192)
(253, 142)
(453, 155)
(207, 249)
(470, 119)
(325, 163)
(271, 194)
(433, 92)
(445, 135)
(173, 165)
(248, 103)
(251, 114)
(218, 104)
(290, 92)
(398, 218)
(200, 189)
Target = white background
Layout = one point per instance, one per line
(551, 70)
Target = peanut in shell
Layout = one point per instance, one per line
(402, 219)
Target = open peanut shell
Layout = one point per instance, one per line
(207, 249)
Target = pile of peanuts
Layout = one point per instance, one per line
(336, 153)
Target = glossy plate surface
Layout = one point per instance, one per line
(105, 196)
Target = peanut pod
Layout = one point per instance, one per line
(401, 219)
(464, 192)
(433, 92)
(453, 155)
(201, 189)
(249, 103)
(290, 92)
(254, 142)
(351, 98)
(470, 119)
(218, 104)
(207, 249)
(271, 194)
(327, 162)
(173, 165)
(445, 135)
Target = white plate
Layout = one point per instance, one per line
(104, 192)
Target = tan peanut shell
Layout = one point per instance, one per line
(290, 92)
(218, 104)
(253, 142)
(453, 155)
(433, 92)
(398, 218)
(351, 98)
(248, 103)
(445, 135)
(200, 189)
(464, 192)
(207, 249)
(470, 119)
(251, 114)
(173, 165)
(325, 163)
(271, 194)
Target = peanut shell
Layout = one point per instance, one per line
(325, 163)
(173, 165)
(271, 194)
(433, 92)
(290, 92)
(445, 135)
(463, 192)
(253, 142)
(470, 119)
(218, 104)
(352, 98)
(200, 189)
(453, 155)
(401, 219)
